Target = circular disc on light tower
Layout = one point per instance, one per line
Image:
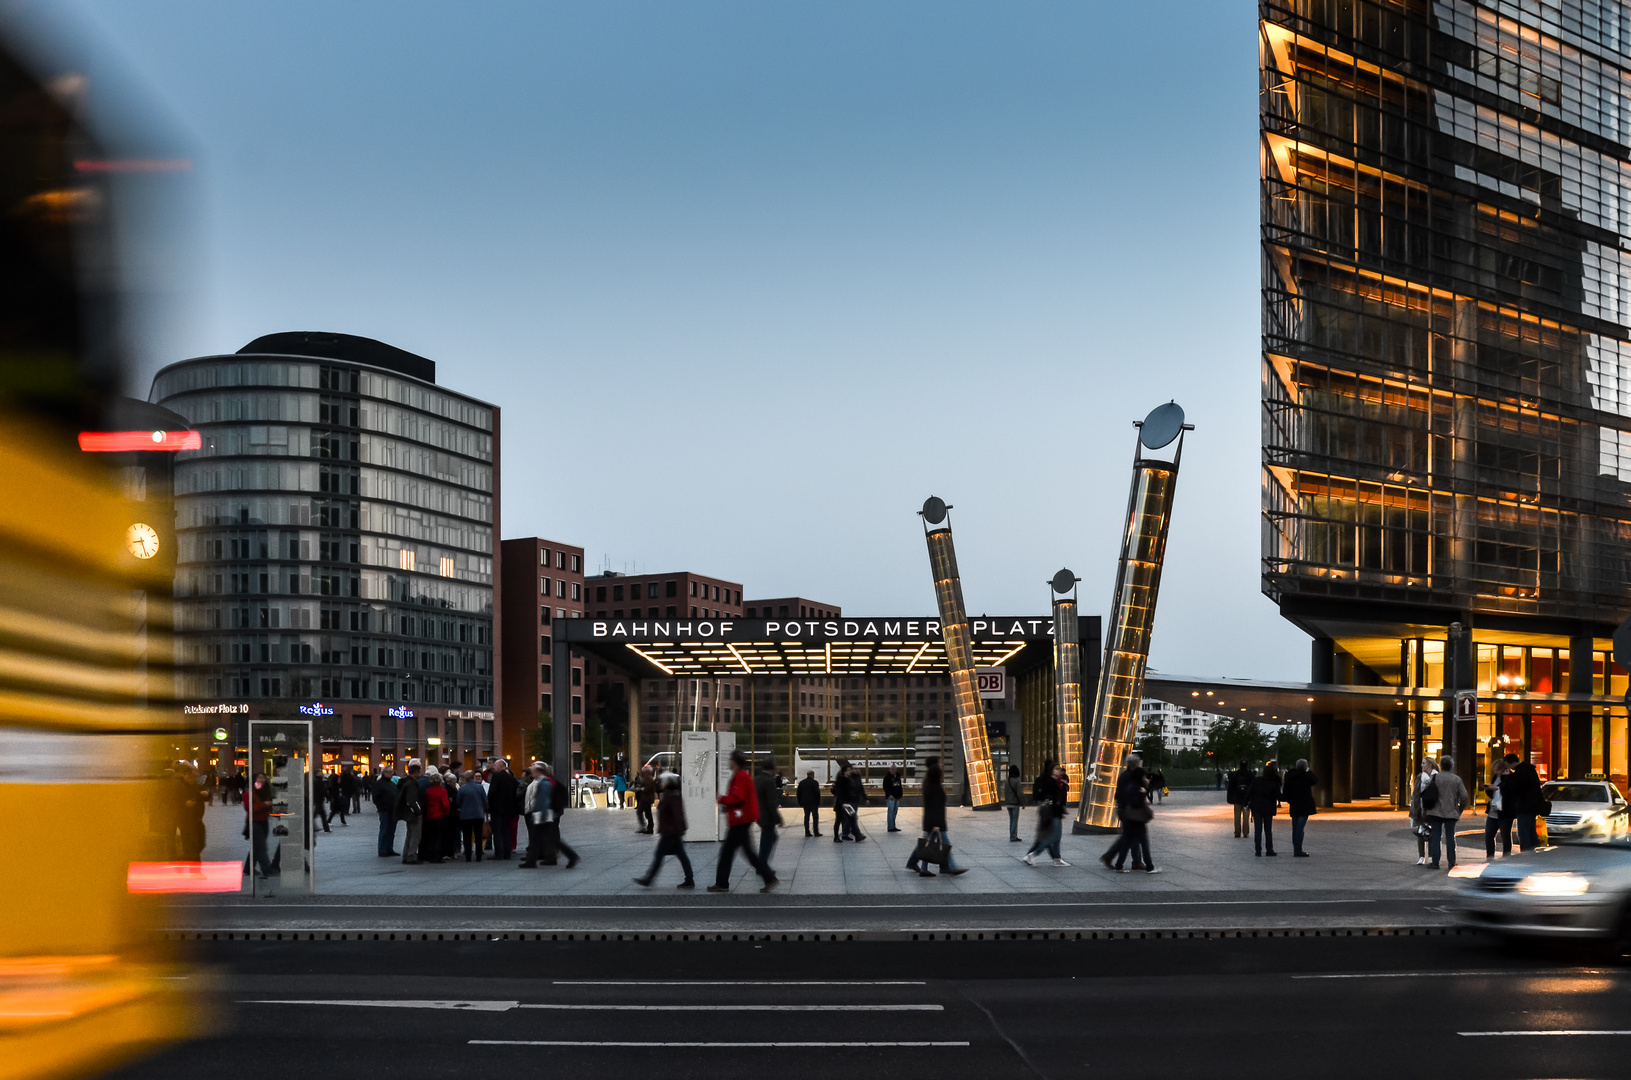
(1064, 581)
(1161, 426)
(934, 510)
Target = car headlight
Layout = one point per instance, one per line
(1554, 885)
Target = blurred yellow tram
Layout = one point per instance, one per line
(87, 712)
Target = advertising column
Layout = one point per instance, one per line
(281, 839)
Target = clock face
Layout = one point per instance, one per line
(142, 541)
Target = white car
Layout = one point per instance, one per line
(1586, 810)
(1574, 890)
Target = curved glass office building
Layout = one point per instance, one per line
(336, 550)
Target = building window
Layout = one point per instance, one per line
(577, 564)
(447, 566)
(543, 556)
(560, 560)
(543, 586)
(693, 590)
(544, 673)
(560, 589)
(543, 702)
(673, 589)
(543, 616)
(577, 705)
(577, 590)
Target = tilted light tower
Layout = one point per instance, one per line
(948, 593)
(1067, 680)
(1132, 614)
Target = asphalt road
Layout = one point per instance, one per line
(876, 917)
(1293, 1007)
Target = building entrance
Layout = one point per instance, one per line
(805, 693)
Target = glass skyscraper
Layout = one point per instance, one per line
(1446, 377)
(336, 553)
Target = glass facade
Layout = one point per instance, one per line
(335, 545)
(1446, 319)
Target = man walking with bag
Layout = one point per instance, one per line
(935, 844)
(1442, 802)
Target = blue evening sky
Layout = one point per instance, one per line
(751, 280)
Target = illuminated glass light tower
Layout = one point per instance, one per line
(948, 593)
(1067, 679)
(1132, 614)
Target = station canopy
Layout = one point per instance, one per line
(892, 645)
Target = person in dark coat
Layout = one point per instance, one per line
(385, 803)
(809, 796)
(1521, 796)
(645, 794)
(670, 834)
(190, 800)
(1133, 808)
(1050, 820)
(410, 808)
(1299, 796)
(1238, 794)
(503, 808)
(338, 802)
(770, 815)
(1263, 798)
(893, 791)
(349, 789)
(934, 821)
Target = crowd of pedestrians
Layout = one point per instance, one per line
(429, 815)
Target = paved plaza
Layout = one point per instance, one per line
(1357, 853)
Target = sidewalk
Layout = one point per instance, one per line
(1354, 854)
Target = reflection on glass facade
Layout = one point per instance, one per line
(1446, 213)
(335, 543)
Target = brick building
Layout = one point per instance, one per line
(542, 580)
(667, 705)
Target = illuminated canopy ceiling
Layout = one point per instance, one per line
(893, 645)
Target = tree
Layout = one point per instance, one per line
(1151, 746)
(1188, 758)
(1232, 740)
(539, 741)
(1290, 745)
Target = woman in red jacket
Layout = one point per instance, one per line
(741, 805)
(437, 808)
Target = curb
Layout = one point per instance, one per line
(260, 935)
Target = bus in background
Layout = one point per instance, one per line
(873, 761)
(97, 811)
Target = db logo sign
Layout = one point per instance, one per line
(992, 682)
